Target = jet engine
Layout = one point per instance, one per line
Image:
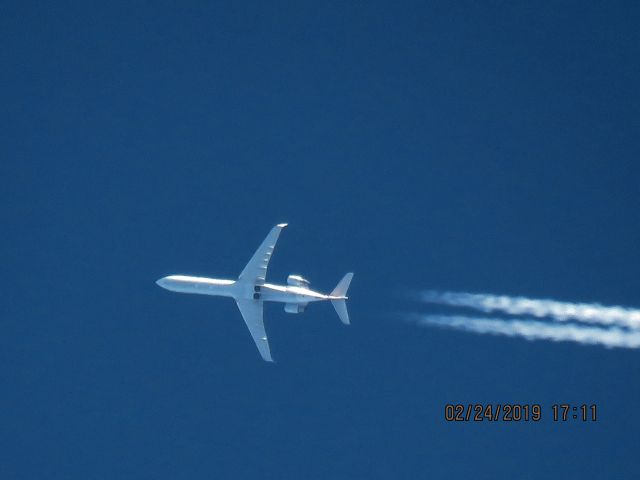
(298, 281)
(294, 307)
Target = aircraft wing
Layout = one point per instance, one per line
(251, 311)
(256, 270)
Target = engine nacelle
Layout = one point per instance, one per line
(294, 307)
(298, 281)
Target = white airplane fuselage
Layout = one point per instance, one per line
(251, 290)
(268, 292)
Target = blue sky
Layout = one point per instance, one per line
(487, 147)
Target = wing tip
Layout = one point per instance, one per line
(266, 356)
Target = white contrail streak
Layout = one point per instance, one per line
(559, 311)
(536, 330)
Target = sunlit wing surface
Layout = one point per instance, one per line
(251, 311)
(256, 270)
(250, 291)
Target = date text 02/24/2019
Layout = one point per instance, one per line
(513, 412)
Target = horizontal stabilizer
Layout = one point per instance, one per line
(341, 310)
(343, 286)
(340, 295)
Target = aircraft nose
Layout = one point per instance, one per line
(161, 282)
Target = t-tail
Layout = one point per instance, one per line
(340, 303)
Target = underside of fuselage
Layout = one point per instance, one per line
(250, 291)
(287, 294)
(229, 288)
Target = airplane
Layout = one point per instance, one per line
(250, 290)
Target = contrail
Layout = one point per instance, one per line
(559, 311)
(536, 330)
